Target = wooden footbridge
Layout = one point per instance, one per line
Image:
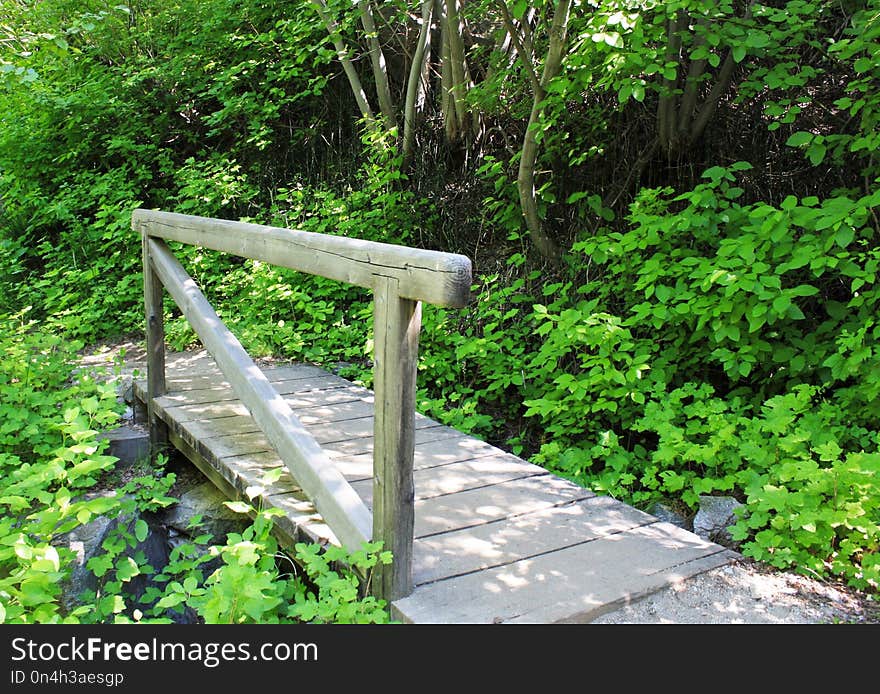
(477, 535)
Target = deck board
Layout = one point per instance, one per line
(496, 539)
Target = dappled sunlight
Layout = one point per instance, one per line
(510, 539)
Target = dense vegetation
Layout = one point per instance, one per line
(671, 208)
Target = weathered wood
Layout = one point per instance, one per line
(486, 546)
(233, 410)
(572, 584)
(359, 466)
(220, 393)
(337, 502)
(472, 507)
(438, 278)
(155, 329)
(396, 325)
(458, 477)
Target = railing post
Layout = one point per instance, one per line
(396, 325)
(155, 328)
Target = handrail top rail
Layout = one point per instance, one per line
(434, 277)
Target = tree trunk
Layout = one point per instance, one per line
(456, 72)
(377, 59)
(543, 242)
(354, 80)
(414, 83)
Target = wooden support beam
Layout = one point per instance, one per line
(336, 501)
(396, 325)
(155, 329)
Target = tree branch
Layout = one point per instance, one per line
(518, 43)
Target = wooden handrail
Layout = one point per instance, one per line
(443, 279)
(401, 278)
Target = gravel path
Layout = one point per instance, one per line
(748, 593)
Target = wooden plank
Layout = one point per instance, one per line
(572, 584)
(508, 540)
(323, 431)
(439, 278)
(396, 325)
(288, 382)
(451, 450)
(250, 470)
(442, 514)
(206, 413)
(202, 379)
(364, 444)
(511, 539)
(458, 477)
(192, 363)
(300, 522)
(359, 466)
(338, 503)
(220, 393)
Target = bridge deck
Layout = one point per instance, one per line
(496, 538)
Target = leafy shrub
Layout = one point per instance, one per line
(49, 454)
(258, 583)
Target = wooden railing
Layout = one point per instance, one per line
(400, 278)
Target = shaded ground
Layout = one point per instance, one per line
(743, 593)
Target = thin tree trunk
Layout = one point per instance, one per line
(377, 59)
(458, 70)
(521, 44)
(707, 110)
(413, 85)
(450, 122)
(357, 89)
(678, 131)
(545, 245)
(696, 70)
(666, 121)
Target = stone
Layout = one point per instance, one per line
(129, 443)
(714, 518)
(664, 513)
(207, 501)
(85, 542)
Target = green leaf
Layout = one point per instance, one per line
(141, 530)
(127, 569)
(781, 304)
(816, 153)
(273, 475)
(171, 600)
(739, 52)
(844, 236)
(90, 405)
(238, 506)
(638, 92)
(799, 138)
(803, 290)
